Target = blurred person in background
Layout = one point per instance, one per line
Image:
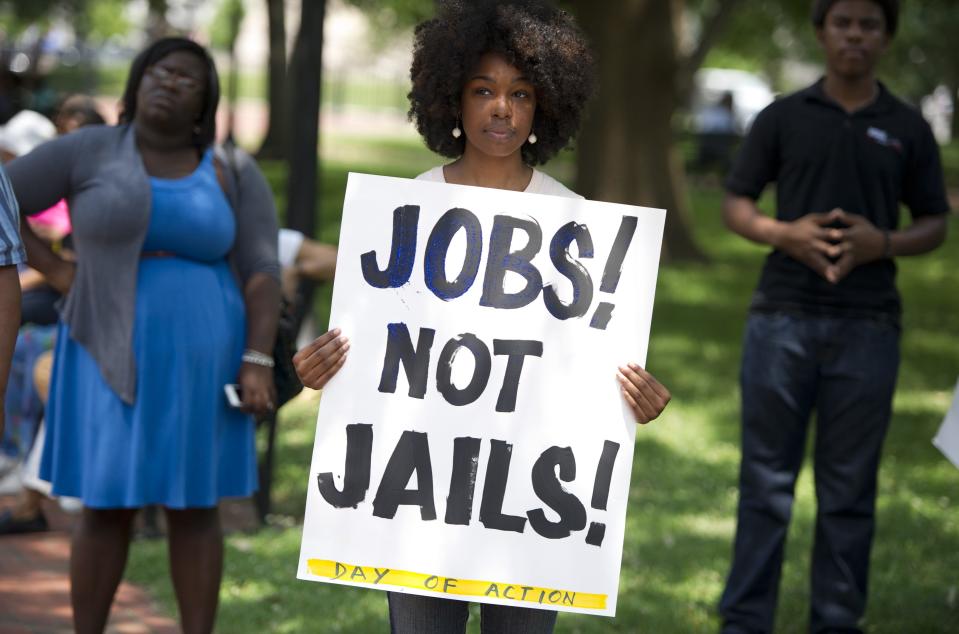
(77, 111)
(302, 257)
(716, 135)
(18, 136)
(174, 293)
(11, 255)
(24, 403)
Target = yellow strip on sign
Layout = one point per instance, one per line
(340, 571)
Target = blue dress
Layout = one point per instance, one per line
(179, 445)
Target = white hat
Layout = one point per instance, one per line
(24, 131)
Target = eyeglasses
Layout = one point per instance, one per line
(179, 80)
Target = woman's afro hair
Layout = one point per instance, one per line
(533, 35)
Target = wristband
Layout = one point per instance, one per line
(258, 358)
(886, 245)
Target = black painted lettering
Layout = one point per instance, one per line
(437, 247)
(358, 573)
(502, 259)
(402, 252)
(494, 490)
(517, 350)
(546, 485)
(459, 503)
(572, 270)
(411, 455)
(416, 361)
(356, 477)
(481, 370)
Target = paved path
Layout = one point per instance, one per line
(35, 584)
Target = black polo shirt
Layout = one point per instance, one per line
(820, 158)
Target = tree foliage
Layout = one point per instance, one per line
(922, 55)
(762, 35)
(102, 19)
(395, 14)
(15, 15)
(107, 19)
(226, 24)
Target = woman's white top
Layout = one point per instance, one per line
(540, 183)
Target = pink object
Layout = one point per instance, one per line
(56, 219)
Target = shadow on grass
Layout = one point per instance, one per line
(676, 547)
(682, 505)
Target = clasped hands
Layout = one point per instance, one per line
(833, 252)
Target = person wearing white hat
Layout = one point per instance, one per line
(23, 437)
(23, 132)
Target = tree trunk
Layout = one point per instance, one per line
(306, 72)
(157, 24)
(236, 20)
(274, 143)
(626, 150)
(302, 188)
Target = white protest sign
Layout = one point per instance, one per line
(475, 444)
(947, 439)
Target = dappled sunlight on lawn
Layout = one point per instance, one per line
(682, 503)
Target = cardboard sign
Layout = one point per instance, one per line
(475, 444)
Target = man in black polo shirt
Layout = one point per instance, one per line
(823, 329)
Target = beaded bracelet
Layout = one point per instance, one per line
(258, 358)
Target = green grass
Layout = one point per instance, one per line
(680, 521)
(950, 163)
(338, 90)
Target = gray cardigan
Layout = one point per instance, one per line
(98, 169)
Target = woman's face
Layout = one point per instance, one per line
(498, 104)
(171, 92)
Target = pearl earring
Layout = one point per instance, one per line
(532, 138)
(457, 133)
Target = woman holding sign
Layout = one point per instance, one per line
(499, 87)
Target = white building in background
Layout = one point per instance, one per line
(939, 109)
(750, 93)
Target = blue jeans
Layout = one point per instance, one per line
(414, 614)
(23, 405)
(845, 370)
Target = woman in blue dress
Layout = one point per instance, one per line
(174, 294)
